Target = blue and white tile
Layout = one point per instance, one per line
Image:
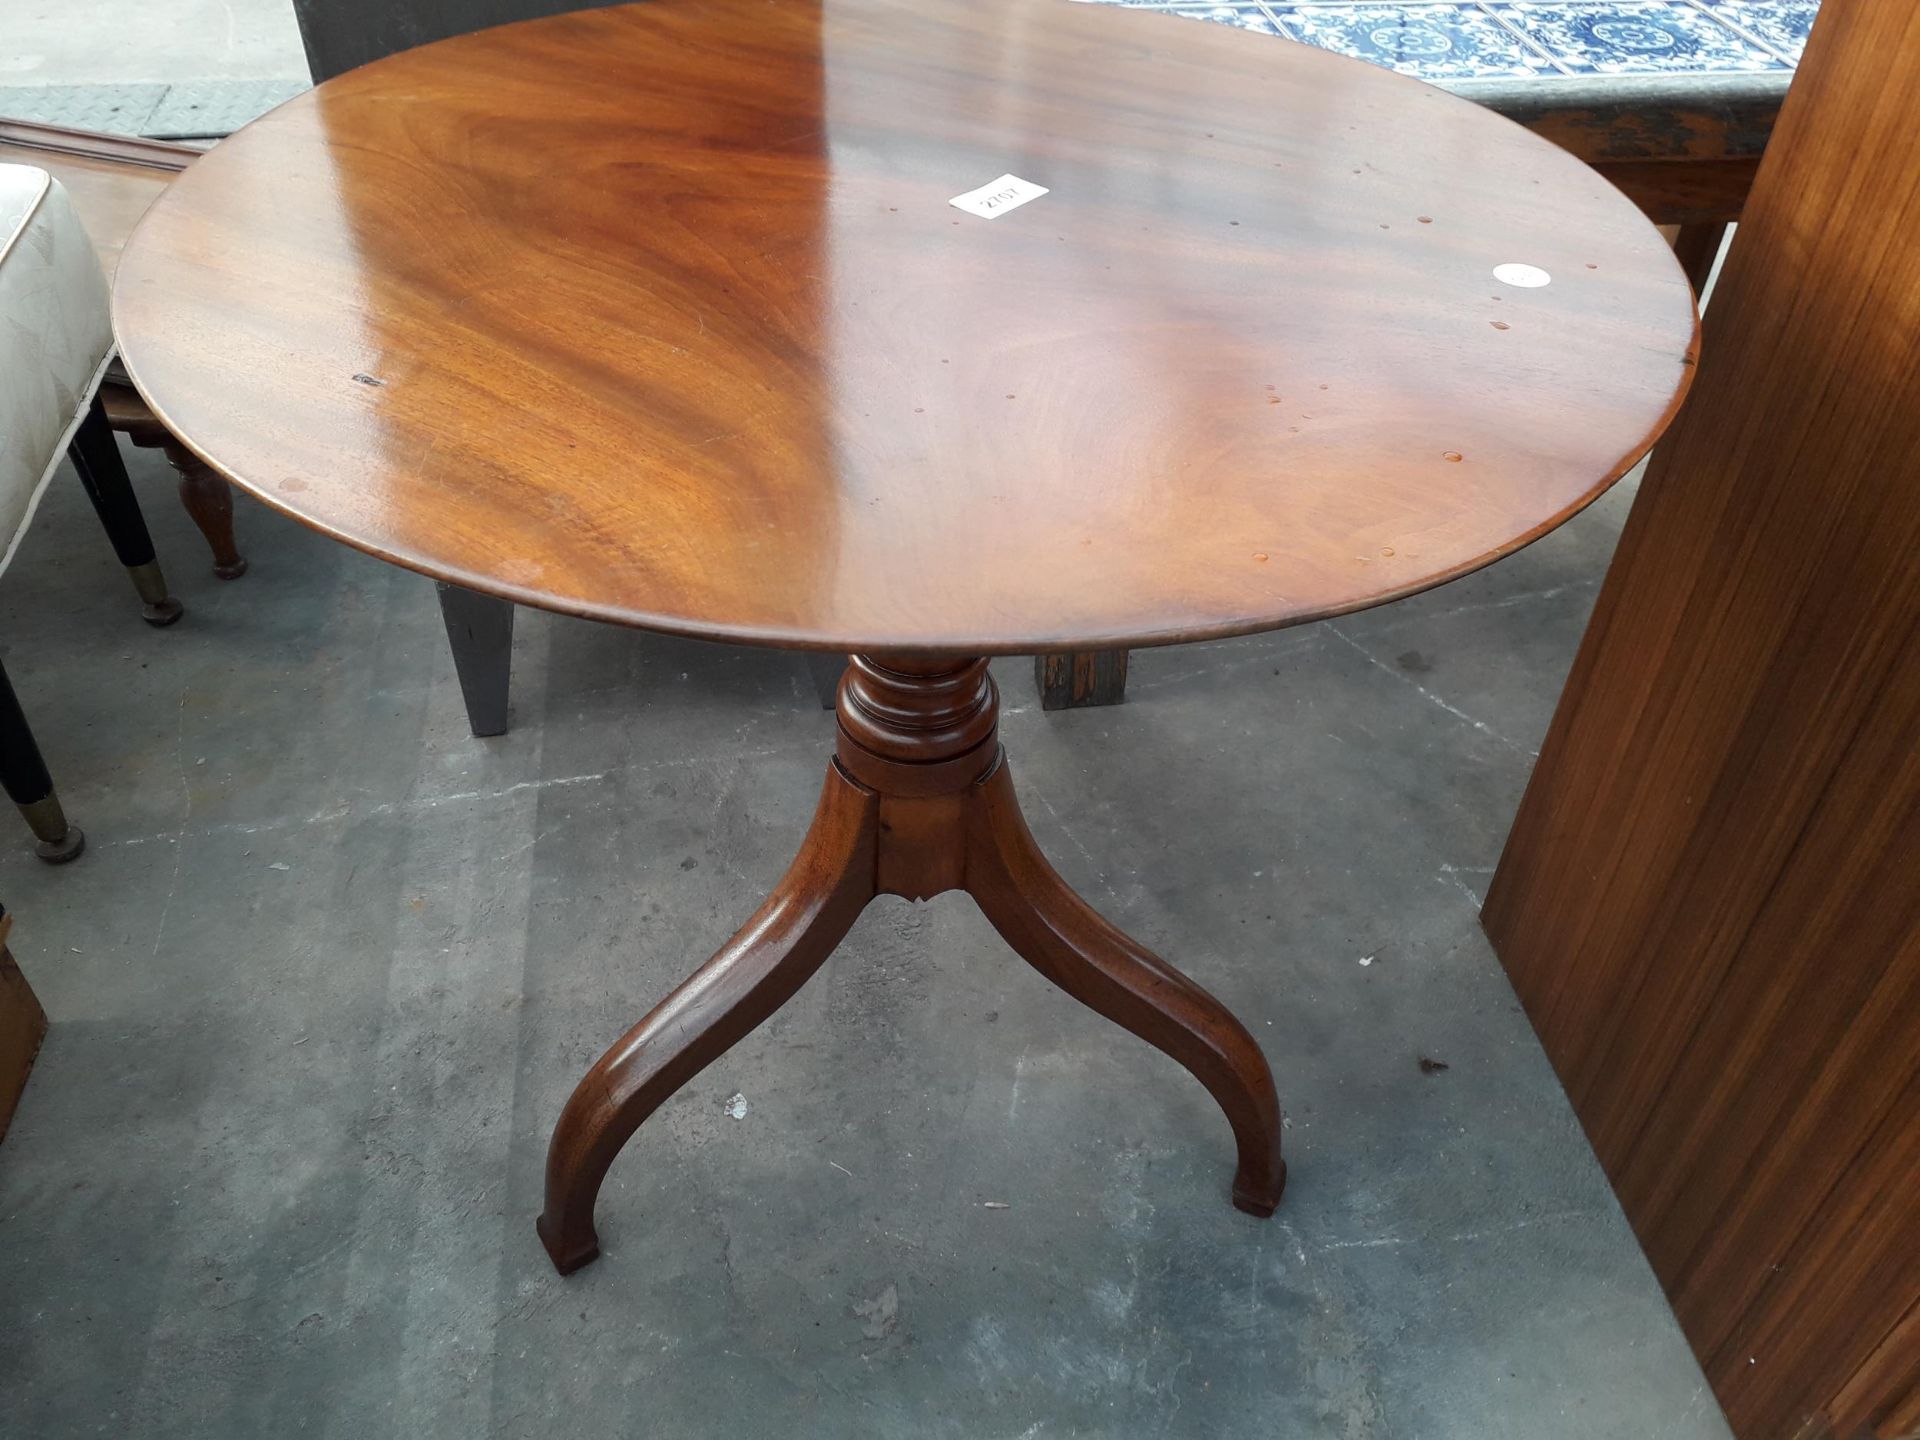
(1245, 17)
(1434, 42)
(1242, 14)
(1635, 37)
(1780, 25)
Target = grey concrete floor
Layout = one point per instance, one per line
(176, 69)
(120, 42)
(330, 967)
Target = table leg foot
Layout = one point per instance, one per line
(569, 1252)
(1066, 940)
(1262, 1203)
(753, 975)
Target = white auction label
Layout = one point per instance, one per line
(1527, 277)
(1009, 192)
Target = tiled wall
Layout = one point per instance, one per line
(1496, 39)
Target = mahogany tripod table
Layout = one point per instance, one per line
(661, 315)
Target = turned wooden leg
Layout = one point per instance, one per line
(103, 474)
(752, 976)
(1066, 940)
(209, 503)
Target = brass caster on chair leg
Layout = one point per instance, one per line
(59, 841)
(68, 847)
(157, 607)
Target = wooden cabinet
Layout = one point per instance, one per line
(1710, 901)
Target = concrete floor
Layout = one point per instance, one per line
(330, 967)
(176, 69)
(120, 42)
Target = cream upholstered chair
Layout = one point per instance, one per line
(55, 341)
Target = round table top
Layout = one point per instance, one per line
(661, 315)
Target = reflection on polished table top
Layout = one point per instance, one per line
(660, 315)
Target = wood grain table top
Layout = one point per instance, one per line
(660, 315)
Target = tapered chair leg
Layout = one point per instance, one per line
(1068, 941)
(96, 455)
(480, 634)
(28, 785)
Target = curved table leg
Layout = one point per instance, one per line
(753, 975)
(1066, 940)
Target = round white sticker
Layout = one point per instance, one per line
(1527, 277)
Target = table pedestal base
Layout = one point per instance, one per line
(917, 801)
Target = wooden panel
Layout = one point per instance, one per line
(1708, 903)
(96, 145)
(23, 1025)
(1684, 192)
(1683, 147)
(1649, 117)
(1886, 1384)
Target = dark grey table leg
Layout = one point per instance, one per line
(1080, 677)
(480, 630)
(826, 669)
